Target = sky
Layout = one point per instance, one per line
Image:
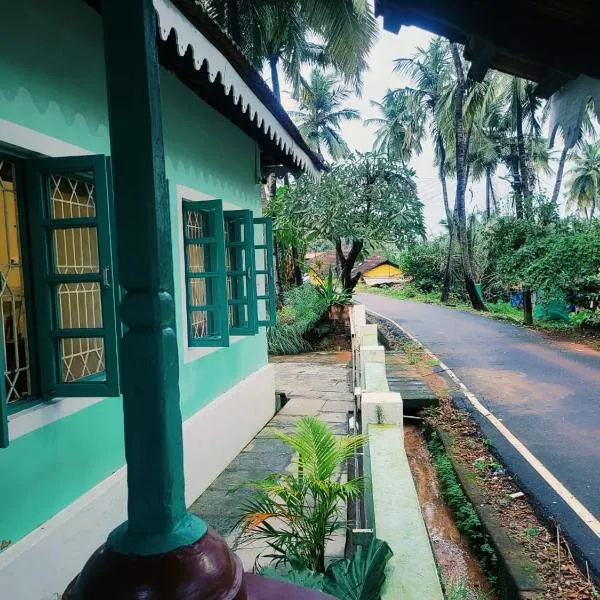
(359, 136)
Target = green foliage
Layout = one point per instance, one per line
(425, 262)
(321, 113)
(332, 293)
(367, 197)
(558, 257)
(460, 590)
(295, 515)
(358, 578)
(303, 308)
(467, 521)
(361, 577)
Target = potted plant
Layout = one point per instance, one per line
(337, 299)
(296, 514)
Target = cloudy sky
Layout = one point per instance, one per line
(377, 81)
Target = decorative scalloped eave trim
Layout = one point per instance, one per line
(568, 105)
(171, 19)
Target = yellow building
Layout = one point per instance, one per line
(376, 270)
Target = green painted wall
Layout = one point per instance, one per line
(53, 82)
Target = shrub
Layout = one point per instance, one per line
(295, 515)
(303, 308)
(424, 262)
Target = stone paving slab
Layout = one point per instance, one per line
(319, 389)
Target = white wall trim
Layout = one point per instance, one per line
(29, 139)
(182, 193)
(212, 438)
(39, 415)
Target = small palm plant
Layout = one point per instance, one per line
(297, 514)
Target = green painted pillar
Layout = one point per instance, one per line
(157, 517)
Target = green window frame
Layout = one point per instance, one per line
(241, 283)
(205, 277)
(4, 438)
(82, 339)
(265, 272)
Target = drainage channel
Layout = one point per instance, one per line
(457, 564)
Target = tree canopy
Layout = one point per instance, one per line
(358, 205)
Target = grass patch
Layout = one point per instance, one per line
(466, 517)
(459, 590)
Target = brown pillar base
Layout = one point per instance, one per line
(205, 570)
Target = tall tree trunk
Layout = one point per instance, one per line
(593, 209)
(278, 263)
(448, 267)
(559, 174)
(516, 185)
(460, 217)
(442, 175)
(526, 196)
(493, 193)
(297, 271)
(523, 169)
(233, 21)
(347, 264)
(488, 194)
(527, 307)
(273, 61)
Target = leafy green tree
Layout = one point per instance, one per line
(558, 258)
(584, 184)
(400, 128)
(359, 205)
(321, 114)
(277, 32)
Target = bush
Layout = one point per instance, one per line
(424, 262)
(302, 310)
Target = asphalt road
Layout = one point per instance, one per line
(546, 392)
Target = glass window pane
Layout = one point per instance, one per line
(200, 258)
(12, 295)
(234, 230)
(81, 358)
(199, 224)
(202, 324)
(79, 305)
(263, 310)
(199, 292)
(72, 197)
(260, 234)
(238, 315)
(75, 250)
(236, 287)
(260, 256)
(262, 285)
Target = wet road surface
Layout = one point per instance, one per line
(546, 392)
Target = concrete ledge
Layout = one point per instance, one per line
(391, 407)
(374, 378)
(411, 573)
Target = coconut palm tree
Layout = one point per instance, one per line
(278, 32)
(584, 184)
(587, 129)
(401, 126)
(320, 113)
(430, 72)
